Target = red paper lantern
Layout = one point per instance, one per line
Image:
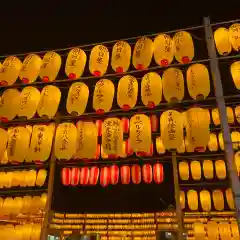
(75, 176)
(98, 151)
(105, 176)
(99, 124)
(129, 150)
(125, 123)
(114, 174)
(125, 174)
(147, 173)
(136, 174)
(146, 154)
(66, 176)
(154, 123)
(84, 176)
(93, 176)
(158, 173)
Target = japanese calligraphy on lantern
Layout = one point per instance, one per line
(112, 136)
(140, 133)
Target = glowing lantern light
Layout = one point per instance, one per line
(84, 176)
(205, 199)
(234, 228)
(4, 158)
(66, 176)
(213, 143)
(136, 174)
(237, 162)
(181, 149)
(98, 62)
(93, 175)
(31, 178)
(237, 113)
(183, 170)
(40, 151)
(171, 125)
(192, 198)
(127, 92)
(112, 136)
(182, 199)
(159, 146)
(234, 36)
(121, 56)
(30, 68)
(235, 139)
(220, 167)
(147, 173)
(77, 99)
(103, 154)
(220, 141)
(218, 200)
(216, 116)
(184, 47)
(87, 141)
(114, 174)
(41, 177)
(154, 123)
(99, 124)
(196, 170)
(103, 96)
(212, 230)
(50, 67)
(125, 174)
(49, 101)
(142, 54)
(10, 70)
(29, 99)
(123, 154)
(140, 133)
(163, 49)
(198, 81)
(224, 230)
(235, 72)
(158, 173)
(222, 41)
(197, 126)
(129, 149)
(75, 63)
(125, 124)
(3, 142)
(9, 104)
(18, 143)
(173, 85)
(105, 176)
(229, 197)
(65, 141)
(75, 176)
(208, 169)
(151, 89)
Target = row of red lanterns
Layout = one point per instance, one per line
(110, 175)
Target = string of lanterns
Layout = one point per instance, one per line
(109, 175)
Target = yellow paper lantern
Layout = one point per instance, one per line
(18, 143)
(98, 62)
(159, 146)
(171, 126)
(4, 158)
(216, 116)
(163, 49)
(198, 81)
(121, 56)
(181, 149)
(123, 154)
(27, 201)
(112, 136)
(75, 63)
(36, 232)
(151, 89)
(192, 198)
(218, 200)
(183, 170)
(213, 143)
(31, 178)
(87, 140)
(142, 54)
(8, 204)
(235, 139)
(197, 127)
(237, 162)
(173, 85)
(205, 200)
(29, 99)
(196, 170)
(140, 133)
(3, 179)
(189, 146)
(222, 41)
(8, 182)
(234, 36)
(23, 178)
(43, 201)
(220, 141)
(103, 96)
(212, 230)
(30, 68)
(224, 230)
(77, 99)
(49, 101)
(3, 141)
(237, 113)
(184, 47)
(229, 197)
(10, 70)
(103, 154)
(199, 231)
(66, 141)
(182, 199)
(208, 169)
(51, 64)
(234, 229)
(9, 104)
(41, 143)
(235, 72)
(18, 204)
(41, 177)
(221, 171)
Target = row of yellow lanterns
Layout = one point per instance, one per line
(26, 205)
(206, 198)
(25, 178)
(164, 48)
